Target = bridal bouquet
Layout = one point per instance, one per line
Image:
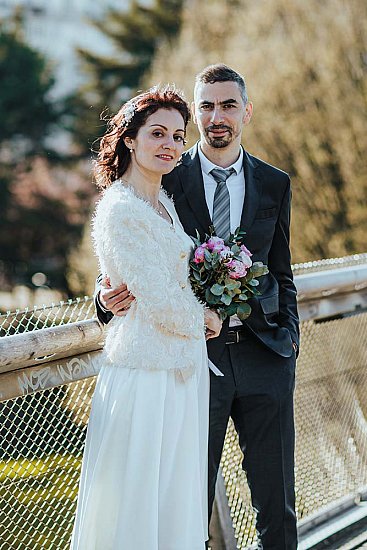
(223, 276)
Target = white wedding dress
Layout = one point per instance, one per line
(144, 476)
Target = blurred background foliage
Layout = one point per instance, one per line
(305, 64)
(136, 35)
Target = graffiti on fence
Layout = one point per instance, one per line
(53, 374)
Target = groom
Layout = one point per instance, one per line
(219, 183)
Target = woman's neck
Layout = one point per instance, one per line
(145, 185)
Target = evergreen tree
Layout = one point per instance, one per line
(27, 114)
(136, 35)
(39, 212)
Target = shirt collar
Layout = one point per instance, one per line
(207, 166)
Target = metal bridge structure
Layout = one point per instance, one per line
(48, 366)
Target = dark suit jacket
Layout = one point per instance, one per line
(265, 219)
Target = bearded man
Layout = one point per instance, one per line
(219, 183)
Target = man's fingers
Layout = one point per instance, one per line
(121, 307)
(106, 283)
(115, 295)
(117, 300)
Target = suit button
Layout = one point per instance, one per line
(183, 255)
(183, 285)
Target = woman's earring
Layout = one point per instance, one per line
(131, 150)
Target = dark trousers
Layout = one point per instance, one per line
(257, 392)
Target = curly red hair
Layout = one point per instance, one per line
(113, 156)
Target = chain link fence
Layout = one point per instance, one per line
(329, 263)
(42, 434)
(36, 318)
(41, 447)
(331, 424)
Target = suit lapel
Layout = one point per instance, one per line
(252, 191)
(191, 178)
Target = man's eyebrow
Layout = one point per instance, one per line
(224, 102)
(164, 128)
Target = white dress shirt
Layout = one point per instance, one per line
(235, 184)
(236, 188)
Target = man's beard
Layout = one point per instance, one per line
(219, 142)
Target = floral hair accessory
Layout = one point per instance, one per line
(129, 112)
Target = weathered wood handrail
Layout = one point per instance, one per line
(50, 357)
(42, 346)
(328, 282)
(331, 292)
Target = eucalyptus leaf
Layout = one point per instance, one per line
(216, 262)
(226, 299)
(222, 312)
(233, 284)
(258, 269)
(217, 290)
(207, 255)
(231, 310)
(209, 297)
(243, 311)
(255, 292)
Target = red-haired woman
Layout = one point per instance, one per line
(144, 474)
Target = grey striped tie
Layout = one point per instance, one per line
(221, 205)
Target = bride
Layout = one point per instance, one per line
(144, 473)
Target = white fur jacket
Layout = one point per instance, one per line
(135, 245)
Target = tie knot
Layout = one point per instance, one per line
(220, 175)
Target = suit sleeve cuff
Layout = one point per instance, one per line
(98, 303)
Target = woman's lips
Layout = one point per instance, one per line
(165, 157)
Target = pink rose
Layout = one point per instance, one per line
(237, 269)
(215, 244)
(199, 253)
(225, 252)
(245, 250)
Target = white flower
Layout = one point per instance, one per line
(129, 113)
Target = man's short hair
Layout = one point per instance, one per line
(222, 73)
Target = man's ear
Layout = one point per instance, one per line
(248, 112)
(193, 112)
